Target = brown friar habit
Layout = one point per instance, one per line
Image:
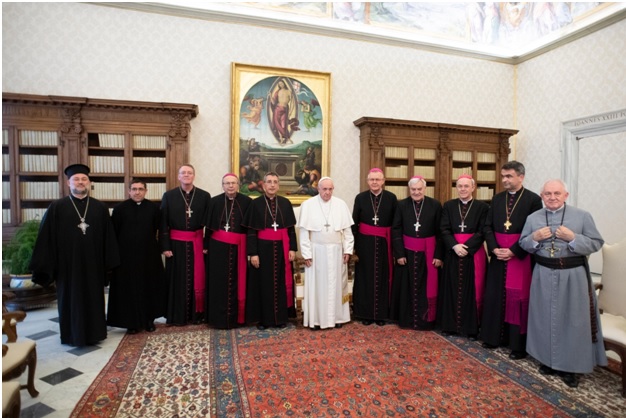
(77, 262)
(180, 268)
(372, 282)
(414, 289)
(137, 294)
(460, 290)
(225, 307)
(494, 329)
(266, 302)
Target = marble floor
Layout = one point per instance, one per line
(63, 373)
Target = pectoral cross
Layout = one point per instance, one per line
(552, 249)
(226, 227)
(189, 212)
(326, 225)
(375, 219)
(462, 226)
(507, 225)
(83, 226)
(417, 226)
(274, 225)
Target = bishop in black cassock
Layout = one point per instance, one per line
(227, 258)
(463, 278)
(415, 238)
(137, 294)
(75, 248)
(373, 215)
(507, 289)
(183, 218)
(271, 237)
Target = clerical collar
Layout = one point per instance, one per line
(377, 194)
(555, 211)
(139, 203)
(515, 192)
(465, 202)
(79, 199)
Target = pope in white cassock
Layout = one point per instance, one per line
(326, 244)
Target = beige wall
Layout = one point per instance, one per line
(94, 51)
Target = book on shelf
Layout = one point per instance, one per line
(396, 152)
(400, 171)
(108, 191)
(6, 190)
(484, 193)
(486, 175)
(149, 165)
(102, 164)
(463, 156)
(46, 190)
(155, 190)
(28, 214)
(39, 138)
(38, 163)
(6, 216)
(400, 191)
(6, 162)
(459, 171)
(111, 140)
(427, 172)
(5, 137)
(424, 154)
(486, 157)
(156, 142)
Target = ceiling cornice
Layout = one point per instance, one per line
(219, 13)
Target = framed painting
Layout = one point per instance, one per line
(280, 123)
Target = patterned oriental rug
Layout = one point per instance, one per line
(354, 371)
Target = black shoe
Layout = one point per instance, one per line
(546, 370)
(447, 333)
(380, 323)
(366, 322)
(282, 326)
(338, 325)
(517, 355)
(472, 337)
(261, 327)
(570, 379)
(489, 346)
(150, 327)
(131, 331)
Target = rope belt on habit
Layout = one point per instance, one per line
(570, 263)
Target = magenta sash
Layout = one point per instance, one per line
(281, 235)
(480, 271)
(517, 284)
(427, 245)
(199, 274)
(239, 240)
(384, 232)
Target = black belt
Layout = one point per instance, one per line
(561, 263)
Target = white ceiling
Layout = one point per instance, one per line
(506, 32)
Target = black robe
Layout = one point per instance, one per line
(78, 263)
(371, 293)
(409, 297)
(137, 293)
(179, 269)
(494, 330)
(458, 306)
(266, 301)
(222, 260)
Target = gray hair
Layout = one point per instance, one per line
(414, 180)
(561, 182)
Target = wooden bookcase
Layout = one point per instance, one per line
(436, 151)
(118, 139)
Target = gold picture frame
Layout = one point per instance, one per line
(280, 123)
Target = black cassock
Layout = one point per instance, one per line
(371, 292)
(459, 311)
(137, 293)
(223, 275)
(266, 301)
(78, 263)
(411, 304)
(179, 269)
(494, 330)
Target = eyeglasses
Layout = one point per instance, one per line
(137, 189)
